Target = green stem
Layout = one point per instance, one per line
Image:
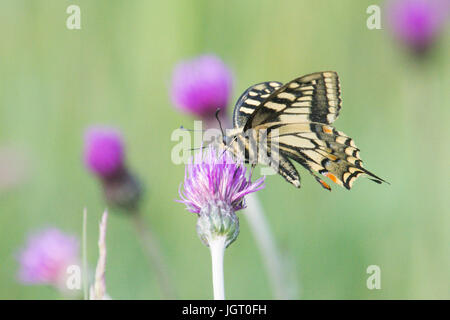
(149, 242)
(84, 245)
(279, 274)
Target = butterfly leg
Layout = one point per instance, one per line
(252, 167)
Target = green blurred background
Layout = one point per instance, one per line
(116, 70)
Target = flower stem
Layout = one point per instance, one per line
(98, 289)
(273, 260)
(84, 249)
(148, 240)
(217, 249)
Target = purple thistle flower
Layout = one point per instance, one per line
(417, 23)
(216, 180)
(46, 256)
(104, 155)
(103, 150)
(214, 188)
(201, 85)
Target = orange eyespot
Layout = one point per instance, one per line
(331, 176)
(327, 129)
(332, 157)
(325, 185)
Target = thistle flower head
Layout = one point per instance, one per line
(201, 85)
(214, 188)
(103, 150)
(213, 178)
(416, 23)
(46, 256)
(104, 156)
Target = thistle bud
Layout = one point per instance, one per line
(217, 221)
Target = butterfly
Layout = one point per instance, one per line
(297, 117)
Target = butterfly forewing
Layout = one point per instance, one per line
(250, 100)
(311, 98)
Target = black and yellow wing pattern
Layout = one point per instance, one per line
(298, 116)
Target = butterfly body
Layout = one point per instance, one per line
(296, 117)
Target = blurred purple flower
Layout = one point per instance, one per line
(201, 85)
(417, 23)
(212, 180)
(104, 155)
(103, 150)
(46, 256)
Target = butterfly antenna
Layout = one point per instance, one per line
(191, 130)
(199, 148)
(220, 125)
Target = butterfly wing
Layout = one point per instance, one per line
(250, 100)
(297, 116)
(311, 98)
(323, 149)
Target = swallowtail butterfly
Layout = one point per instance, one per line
(298, 116)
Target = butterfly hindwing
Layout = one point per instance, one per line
(322, 149)
(311, 98)
(286, 169)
